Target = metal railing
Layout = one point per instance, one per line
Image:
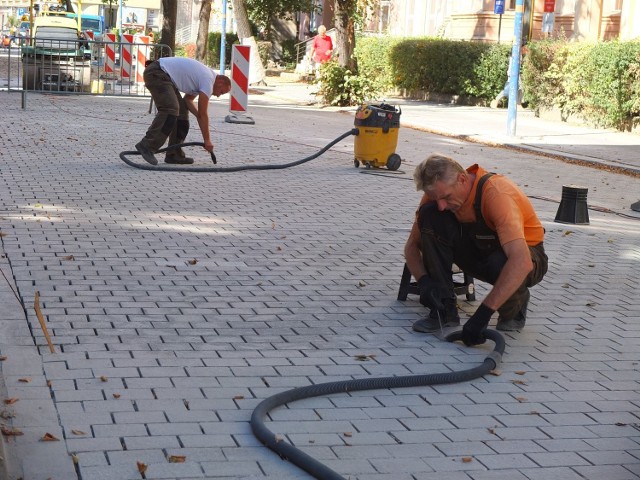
(80, 67)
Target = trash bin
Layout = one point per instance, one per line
(377, 138)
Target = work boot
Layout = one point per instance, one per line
(146, 153)
(516, 323)
(177, 160)
(438, 319)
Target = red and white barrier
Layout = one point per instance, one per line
(110, 53)
(142, 54)
(91, 36)
(126, 57)
(240, 57)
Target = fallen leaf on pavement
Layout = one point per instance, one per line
(10, 432)
(142, 467)
(177, 459)
(49, 437)
(11, 401)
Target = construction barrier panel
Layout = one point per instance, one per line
(126, 57)
(240, 62)
(142, 54)
(110, 53)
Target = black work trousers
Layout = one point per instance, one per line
(172, 119)
(444, 243)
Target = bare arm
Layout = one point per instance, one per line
(201, 113)
(513, 273)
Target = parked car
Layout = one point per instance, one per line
(55, 57)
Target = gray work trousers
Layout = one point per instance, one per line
(172, 119)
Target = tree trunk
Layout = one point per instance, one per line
(345, 33)
(168, 33)
(202, 42)
(256, 72)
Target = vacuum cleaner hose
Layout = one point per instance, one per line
(240, 168)
(313, 466)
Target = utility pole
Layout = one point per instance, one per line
(223, 37)
(515, 69)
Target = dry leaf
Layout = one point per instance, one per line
(3, 358)
(69, 257)
(177, 458)
(2, 234)
(11, 401)
(49, 383)
(521, 399)
(519, 382)
(78, 432)
(278, 438)
(273, 225)
(24, 379)
(193, 261)
(348, 434)
(104, 378)
(239, 397)
(467, 459)
(49, 437)
(10, 432)
(519, 372)
(567, 232)
(75, 458)
(279, 249)
(116, 395)
(491, 430)
(142, 467)
(496, 373)
(362, 284)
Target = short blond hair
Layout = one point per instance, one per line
(322, 29)
(436, 167)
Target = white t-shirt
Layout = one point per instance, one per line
(189, 75)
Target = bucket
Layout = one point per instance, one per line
(97, 86)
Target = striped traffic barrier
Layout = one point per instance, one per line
(240, 56)
(141, 56)
(126, 57)
(110, 53)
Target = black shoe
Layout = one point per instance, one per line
(517, 323)
(439, 318)
(178, 160)
(513, 325)
(430, 325)
(146, 153)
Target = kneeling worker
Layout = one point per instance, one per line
(165, 78)
(487, 226)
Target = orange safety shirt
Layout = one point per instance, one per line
(505, 209)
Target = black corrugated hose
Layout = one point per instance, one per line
(239, 168)
(321, 471)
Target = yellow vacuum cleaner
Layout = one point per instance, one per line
(377, 138)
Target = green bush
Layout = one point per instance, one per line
(341, 87)
(490, 73)
(289, 52)
(213, 50)
(372, 55)
(435, 65)
(600, 82)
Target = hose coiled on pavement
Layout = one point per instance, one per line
(240, 168)
(313, 466)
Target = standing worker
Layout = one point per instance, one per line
(487, 226)
(322, 47)
(165, 78)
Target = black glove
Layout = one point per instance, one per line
(473, 330)
(431, 293)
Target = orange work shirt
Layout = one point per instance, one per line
(505, 209)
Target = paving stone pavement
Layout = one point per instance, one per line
(176, 302)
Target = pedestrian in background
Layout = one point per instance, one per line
(165, 78)
(487, 226)
(322, 47)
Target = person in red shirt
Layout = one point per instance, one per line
(322, 46)
(487, 226)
